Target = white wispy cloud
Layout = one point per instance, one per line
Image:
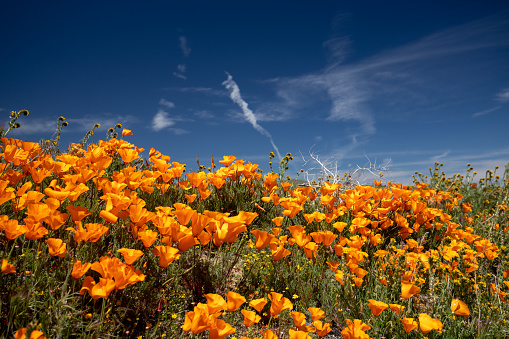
(180, 75)
(162, 120)
(204, 115)
(166, 103)
(481, 113)
(503, 96)
(184, 46)
(236, 97)
(181, 70)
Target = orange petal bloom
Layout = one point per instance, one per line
(460, 308)
(408, 290)
(7, 268)
(148, 237)
(197, 321)
(316, 313)
(79, 269)
(108, 216)
(278, 251)
(215, 303)
(279, 303)
(227, 160)
(13, 230)
(126, 132)
(250, 317)
(258, 304)
(428, 323)
(190, 198)
(234, 301)
(78, 212)
(377, 307)
(321, 329)
(409, 324)
(339, 276)
(298, 334)
(102, 289)
(278, 221)
(130, 255)
(35, 230)
(166, 254)
(21, 334)
(269, 335)
(220, 329)
(56, 247)
(396, 308)
(355, 330)
(263, 238)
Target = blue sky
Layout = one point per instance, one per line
(403, 84)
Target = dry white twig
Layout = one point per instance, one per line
(327, 170)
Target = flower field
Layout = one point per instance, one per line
(98, 242)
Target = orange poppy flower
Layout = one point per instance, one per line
(377, 307)
(316, 313)
(108, 216)
(276, 231)
(126, 275)
(79, 269)
(408, 290)
(78, 212)
(299, 235)
(56, 219)
(322, 328)
(7, 268)
(220, 329)
(102, 289)
(396, 308)
(148, 237)
(184, 215)
(56, 247)
(190, 198)
(234, 301)
(459, 308)
(106, 266)
(409, 324)
(310, 249)
(166, 255)
(130, 255)
(339, 276)
(227, 160)
(215, 303)
(333, 266)
(279, 303)
(250, 317)
(355, 330)
(57, 194)
(13, 230)
(299, 320)
(428, 323)
(197, 320)
(278, 250)
(258, 304)
(6, 193)
(35, 334)
(298, 334)
(95, 231)
(268, 334)
(126, 132)
(263, 238)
